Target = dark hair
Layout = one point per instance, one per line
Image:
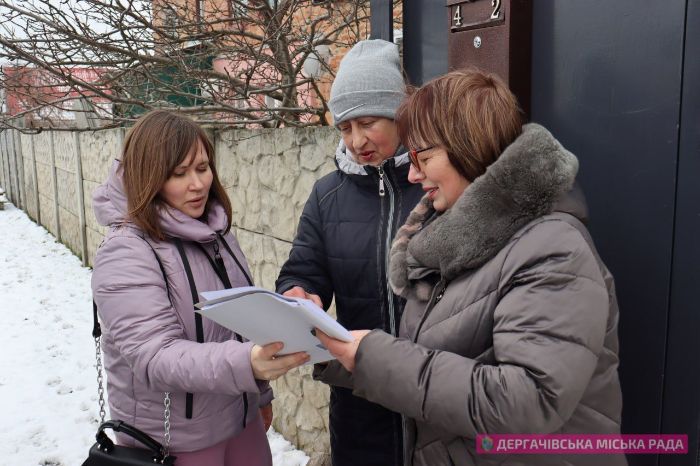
(470, 113)
(158, 143)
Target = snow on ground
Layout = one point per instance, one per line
(48, 386)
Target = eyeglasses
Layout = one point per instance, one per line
(413, 154)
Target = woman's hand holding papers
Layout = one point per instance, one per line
(342, 351)
(299, 292)
(268, 367)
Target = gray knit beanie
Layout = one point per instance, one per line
(368, 82)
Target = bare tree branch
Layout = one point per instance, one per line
(235, 62)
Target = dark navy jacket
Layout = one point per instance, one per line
(341, 250)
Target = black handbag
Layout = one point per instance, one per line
(105, 453)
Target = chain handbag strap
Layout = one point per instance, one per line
(166, 424)
(100, 387)
(101, 397)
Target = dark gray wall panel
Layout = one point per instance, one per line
(425, 39)
(381, 19)
(606, 81)
(681, 407)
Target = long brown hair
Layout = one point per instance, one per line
(158, 143)
(470, 113)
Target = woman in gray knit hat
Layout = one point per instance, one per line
(341, 250)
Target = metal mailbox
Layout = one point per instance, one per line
(496, 36)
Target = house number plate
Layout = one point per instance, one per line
(474, 14)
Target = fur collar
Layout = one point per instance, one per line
(521, 185)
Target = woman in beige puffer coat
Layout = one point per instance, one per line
(511, 319)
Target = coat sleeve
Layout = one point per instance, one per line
(138, 318)
(332, 373)
(307, 265)
(549, 328)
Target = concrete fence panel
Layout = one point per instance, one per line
(3, 161)
(30, 185)
(19, 164)
(43, 161)
(10, 172)
(65, 154)
(98, 151)
(5, 170)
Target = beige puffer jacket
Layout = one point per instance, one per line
(511, 320)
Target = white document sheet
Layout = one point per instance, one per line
(264, 317)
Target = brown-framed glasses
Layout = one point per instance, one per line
(413, 154)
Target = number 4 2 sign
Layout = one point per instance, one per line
(479, 14)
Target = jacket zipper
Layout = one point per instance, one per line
(218, 259)
(381, 180)
(383, 189)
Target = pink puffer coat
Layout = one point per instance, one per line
(149, 341)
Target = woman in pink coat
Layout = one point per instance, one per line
(169, 217)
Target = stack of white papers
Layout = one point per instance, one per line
(264, 317)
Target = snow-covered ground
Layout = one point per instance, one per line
(48, 386)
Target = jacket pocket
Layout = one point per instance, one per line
(432, 454)
(461, 452)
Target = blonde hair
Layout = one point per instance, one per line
(158, 143)
(470, 113)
